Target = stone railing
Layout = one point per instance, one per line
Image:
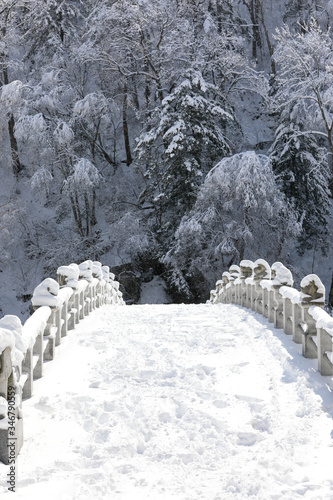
(268, 291)
(58, 307)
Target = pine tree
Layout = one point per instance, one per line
(300, 164)
(182, 147)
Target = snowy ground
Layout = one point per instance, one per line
(154, 292)
(177, 402)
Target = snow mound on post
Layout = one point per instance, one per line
(7, 339)
(69, 275)
(287, 292)
(282, 275)
(97, 270)
(106, 273)
(46, 294)
(322, 319)
(86, 270)
(14, 325)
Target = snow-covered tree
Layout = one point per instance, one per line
(10, 66)
(304, 80)
(239, 213)
(300, 12)
(301, 166)
(182, 147)
(94, 116)
(81, 187)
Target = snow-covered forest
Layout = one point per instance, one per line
(164, 138)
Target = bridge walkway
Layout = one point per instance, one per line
(177, 402)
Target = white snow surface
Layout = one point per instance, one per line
(154, 292)
(177, 402)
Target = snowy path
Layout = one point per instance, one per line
(177, 402)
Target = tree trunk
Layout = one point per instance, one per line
(76, 212)
(16, 164)
(330, 297)
(268, 41)
(129, 158)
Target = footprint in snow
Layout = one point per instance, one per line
(164, 417)
(204, 371)
(181, 410)
(218, 403)
(262, 425)
(246, 438)
(95, 384)
(237, 368)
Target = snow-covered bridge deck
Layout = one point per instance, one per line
(177, 402)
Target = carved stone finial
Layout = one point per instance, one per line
(313, 290)
(246, 269)
(225, 278)
(234, 272)
(261, 270)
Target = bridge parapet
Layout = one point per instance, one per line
(269, 291)
(58, 307)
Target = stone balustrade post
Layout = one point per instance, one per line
(97, 273)
(277, 307)
(46, 294)
(27, 367)
(69, 276)
(270, 305)
(5, 371)
(71, 312)
(297, 331)
(76, 307)
(213, 296)
(64, 318)
(218, 289)
(261, 271)
(52, 334)
(313, 294)
(81, 304)
(233, 291)
(324, 345)
(287, 316)
(224, 291)
(38, 354)
(246, 271)
(9, 390)
(309, 330)
(281, 277)
(265, 302)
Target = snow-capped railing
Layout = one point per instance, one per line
(58, 307)
(268, 291)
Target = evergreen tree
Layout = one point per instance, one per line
(300, 164)
(182, 147)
